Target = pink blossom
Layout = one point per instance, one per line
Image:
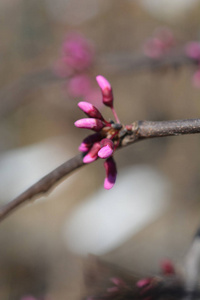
(143, 282)
(79, 86)
(106, 140)
(107, 148)
(161, 42)
(111, 173)
(90, 110)
(78, 52)
(90, 123)
(167, 267)
(106, 90)
(88, 141)
(92, 154)
(192, 50)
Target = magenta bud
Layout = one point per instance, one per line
(143, 282)
(106, 90)
(92, 154)
(90, 123)
(107, 148)
(105, 152)
(111, 173)
(90, 110)
(89, 141)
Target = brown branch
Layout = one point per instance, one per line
(43, 185)
(148, 129)
(140, 130)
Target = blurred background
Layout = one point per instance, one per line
(153, 210)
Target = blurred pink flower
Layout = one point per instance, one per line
(167, 267)
(78, 52)
(161, 42)
(79, 85)
(192, 50)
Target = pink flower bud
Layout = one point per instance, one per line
(106, 90)
(192, 50)
(90, 110)
(167, 267)
(92, 154)
(89, 141)
(107, 148)
(90, 123)
(143, 282)
(154, 48)
(111, 173)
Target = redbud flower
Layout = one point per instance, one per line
(92, 154)
(111, 173)
(107, 148)
(192, 50)
(90, 123)
(90, 110)
(167, 267)
(78, 52)
(161, 42)
(106, 90)
(88, 141)
(108, 137)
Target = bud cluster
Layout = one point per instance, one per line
(106, 138)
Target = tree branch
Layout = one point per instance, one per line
(12, 96)
(140, 130)
(43, 185)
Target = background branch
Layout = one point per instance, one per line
(12, 96)
(140, 130)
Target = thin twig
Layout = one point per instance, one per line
(140, 130)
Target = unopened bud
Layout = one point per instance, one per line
(106, 90)
(111, 173)
(90, 110)
(92, 154)
(90, 123)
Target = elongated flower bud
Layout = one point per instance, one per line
(92, 154)
(90, 110)
(89, 141)
(90, 123)
(111, 173)
(106, 90)
(107, 148)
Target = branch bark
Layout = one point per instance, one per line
(140, 130)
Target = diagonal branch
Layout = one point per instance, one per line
(140, 130)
